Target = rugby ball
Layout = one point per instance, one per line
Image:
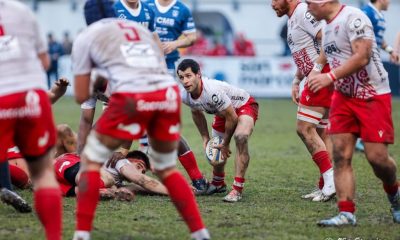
(213, 155)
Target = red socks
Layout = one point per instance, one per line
(18, 176)
(87, 199)
(188, 161)
(391, 190)
(218, 179)
(238, 184)
(184, 201)
(322, 160)
(347, 206)
(49, 210)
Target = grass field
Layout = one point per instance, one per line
(280, 171)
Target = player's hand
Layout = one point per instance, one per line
(124, 194)
(106, 194)
(169, 47)
(319, 81)
(225, 151)
(62, 82)
(205, 142)
(295, 93)
(114, 159)
(394, 57)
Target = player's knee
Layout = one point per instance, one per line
(95, 150)
(162, 161)
(377, 157)
(241, 139)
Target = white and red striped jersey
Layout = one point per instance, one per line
(126, 52)
(216, 96)
(301, 38)
(349, 25)
(20, 43)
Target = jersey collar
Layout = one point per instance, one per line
(133, 12)
(163, 9)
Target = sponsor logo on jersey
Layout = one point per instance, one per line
(32, 108)
(170, 104)
(165, 21)
(42, 141)
(237, 98)
(175, 13)
(331, 48)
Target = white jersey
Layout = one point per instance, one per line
(116, 172)
(126, 52)
(216, 96)
(351, 24)
(20, 44)
(301, 38)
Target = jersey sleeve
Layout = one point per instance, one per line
(184, 96)
(152, 24)
(81, 61)
(359, 26)
(311, 25)
(89, 104)
(188, 22)
(40, 42)
(121, 163)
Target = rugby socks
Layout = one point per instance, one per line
(184, 201)
(391, 189)
(218, 179)
(201, 234)
(18, 176)
(188, 161)
(321, 182)
(322, 160)
(347, 206)
(87, 199)
(48, 207)
(238, 184)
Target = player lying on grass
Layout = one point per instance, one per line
(132, 169)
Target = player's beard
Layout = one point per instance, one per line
(282, 11)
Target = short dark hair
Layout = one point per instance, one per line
(139, 155)
(373, 1)
(96, 10)
(189, 63)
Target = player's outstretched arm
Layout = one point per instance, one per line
(85, 125)
(149, 184)
(58, 90)
(186, 40)
(201, 123)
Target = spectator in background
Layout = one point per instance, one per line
(55, 52)
(283, 35)
(243, 46)
(397, 46)
(67, 44)
(199, 47)
(218, 50)
(374, 12)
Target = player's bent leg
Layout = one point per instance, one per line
(309, 120)
(242, 133)
(47, 195)
(385, 169)
(343, 146)
(98, 150)
(163, 158)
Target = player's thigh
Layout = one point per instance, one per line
(244, 126)
(36, 132)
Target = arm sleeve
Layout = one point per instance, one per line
(40, 42)
(81, 61)
(311, 25)
(188, 22)
(120, 164)
(359, 26)
(89, 104)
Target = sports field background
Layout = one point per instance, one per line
(280, 171)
